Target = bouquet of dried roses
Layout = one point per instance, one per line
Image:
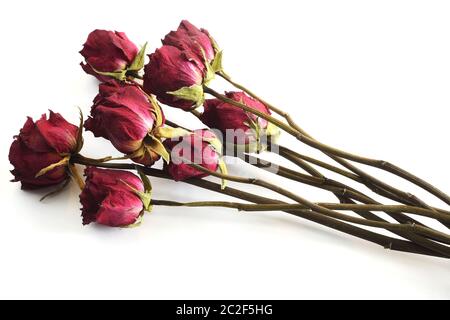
(127, 111)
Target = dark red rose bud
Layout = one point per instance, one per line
(40, 145)
(176, 73)
(189, 38)
(202, 147)
(171, 69)
(108, 54)
(228, 119)
(111, 198)
(123, 114)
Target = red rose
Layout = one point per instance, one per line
(110, 198)
(198, 148)
(223, 116)
(177, 72)
(107, 52)
(39, 145)
(171, 69)
(123, 114)
(189, 38)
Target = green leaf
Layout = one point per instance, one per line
(139, 61)
(170, 133)
(157, 146)
(216, 65)
(194, 93)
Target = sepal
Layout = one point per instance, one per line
(216, 65)
(80, 140)
(193, 93)
(170, 133)
(139, 61)
(45, 170)
(120, 75)
(156, 145)
(224, 170)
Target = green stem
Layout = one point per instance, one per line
(343, 192)
(292, 156)
(419, 230)
(332, 206)
(135, 75)
(302, 136)
(382, 240)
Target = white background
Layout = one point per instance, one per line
(371, 77)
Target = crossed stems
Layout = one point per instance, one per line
(343, 192)
(412, 230)
(346, 194)
(337, 155)
(319, 213)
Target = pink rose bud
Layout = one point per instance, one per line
(123, 114)
(201, 148)
(40, 145)
(111, 198)
(237, 126)
(189, 38)
(108, 54)
(171, 69)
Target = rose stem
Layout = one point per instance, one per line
(258, 182)
(135, 75)
(347, 195)
(293, 156)
(400, 218)
(300, 136)
(299, 207)
(382, 240)
(305, 138)
(331, 206)
(299, 160)
(342, 192)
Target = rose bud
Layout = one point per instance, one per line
(41, 151)
(188, 37)
(111, 54)
(178, 70)
(123, 114)
(171, 70)
(239, 127)
(201, 147)
(113, 198)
